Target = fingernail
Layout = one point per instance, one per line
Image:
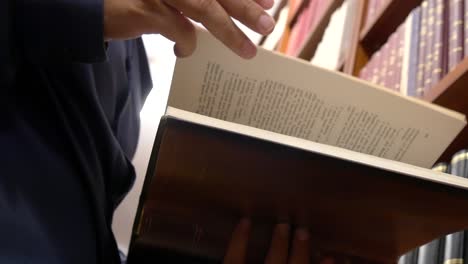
(248, 50)
(268, 3)
(283, 229)
(177, 51)
(266, 23)
(302, 234)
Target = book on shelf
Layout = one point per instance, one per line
(409, 258)
(455, 242)
(433, 40)
(278, 139)
(332, 49)
(455, 33)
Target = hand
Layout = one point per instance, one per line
(278, 252)
(124, 19)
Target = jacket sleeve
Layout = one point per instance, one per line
(69, 30)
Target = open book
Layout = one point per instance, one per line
(278, 139)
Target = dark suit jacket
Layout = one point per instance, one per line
(69, 121)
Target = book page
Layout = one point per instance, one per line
(291, 97)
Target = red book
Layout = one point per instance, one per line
(455, 30)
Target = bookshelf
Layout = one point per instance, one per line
(389, 16)
(452, 92)
(368, 36)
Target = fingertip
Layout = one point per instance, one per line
(249, 50)
(267, 4)
(182, 52)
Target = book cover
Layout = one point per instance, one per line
(456, 33)
(422, 50)
(430, 49)
(256, 137)
(409, 258)
(440, 48)
(410, 68)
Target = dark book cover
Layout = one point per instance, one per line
(409, 258)
(430, 253)
(455, 242)
(422, 50)
(440, 24)
(430, 49)
(202, 180)
(413, 68)
(455, 31)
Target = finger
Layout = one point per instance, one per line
(251, 14)
(278, 253)
(213, 16)
(237, 248)
(267, 4)
(176, 27)
(300, 252)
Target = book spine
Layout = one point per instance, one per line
(430, 252)
(428, 67)
(392, 57)
(455, 30)
(383, 67)
(376, 66)
(400, 43)
(414, 53)
(453, 252)
(422, 50)
(409, 258)
(455, 242)
(438, 68)
(371, 11)
(465, 32)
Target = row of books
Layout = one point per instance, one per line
(428, 45)
(451, 248)
(294, 23)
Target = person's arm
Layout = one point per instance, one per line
(69, 30)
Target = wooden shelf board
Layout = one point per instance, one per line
(452, 92)
(391, 15)
(309, 47)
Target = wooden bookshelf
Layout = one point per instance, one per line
(392, 14)
(368, 38)
(451, 92)
(309, 47)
